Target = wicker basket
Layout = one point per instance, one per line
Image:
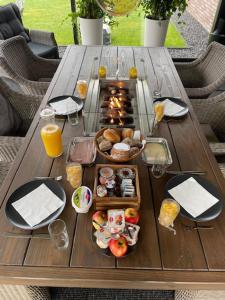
(104, 203)
(107, 156)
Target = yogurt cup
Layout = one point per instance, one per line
(82, 199)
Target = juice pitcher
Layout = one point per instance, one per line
(51, 133)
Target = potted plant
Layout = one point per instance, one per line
(157, 17)
(90, 17)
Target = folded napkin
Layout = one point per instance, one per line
(65, 106)
(171, 108)
(37, 205)
(193, 197)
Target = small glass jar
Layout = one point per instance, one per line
(51, 133)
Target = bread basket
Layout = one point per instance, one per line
(110, 158)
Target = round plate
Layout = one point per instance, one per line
(15, 218)
(107, 251)
(80, 103)
(177, 101)
(213, 212)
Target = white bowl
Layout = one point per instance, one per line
(84, 208)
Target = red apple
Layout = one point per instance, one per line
(99, 218)
(118, 247)
(132, 215)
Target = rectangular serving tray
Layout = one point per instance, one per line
(163, 142)
(103, 203)
(76, 140)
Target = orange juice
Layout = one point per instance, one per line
(52, 140)
(82, 88)
(168, 213)
(159, 111)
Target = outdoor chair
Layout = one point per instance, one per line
(14, 292)
(211, 110)
(9, 147)
(24, 63)
(204, 75)
(42, 43)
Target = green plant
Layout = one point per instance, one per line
(89, 9)
(163, 9)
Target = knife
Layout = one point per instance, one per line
(186, 172)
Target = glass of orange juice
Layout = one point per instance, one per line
(51, 134)
(82, 88)
(168, 213)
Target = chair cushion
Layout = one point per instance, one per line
(10, 25)
(42, 50)
(10, 121)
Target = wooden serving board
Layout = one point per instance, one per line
(103, 203)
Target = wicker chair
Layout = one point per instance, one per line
(204, 75)
(211, 111)
(199, 295)
(41, 43)
(20, 292)
(24, 63)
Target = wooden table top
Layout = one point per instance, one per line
(189, 259)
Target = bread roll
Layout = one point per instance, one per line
(111, 135)
(120, 151)
(127, 133)
(105, 145)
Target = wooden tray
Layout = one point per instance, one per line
(100, 133)
(103, 203)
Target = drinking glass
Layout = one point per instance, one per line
(82, 88)
(73, 117)
(58, 234)
(168, 213)
(158, 170)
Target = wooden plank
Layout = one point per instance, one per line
(146, 254)
(42, 252)
(34, 163)
(112, 278)
(109, 58)
(213, 242)
(182, 251)
(88, 255)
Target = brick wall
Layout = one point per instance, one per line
(203, 11)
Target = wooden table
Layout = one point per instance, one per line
(189, 259)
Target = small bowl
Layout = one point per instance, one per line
(86, 208)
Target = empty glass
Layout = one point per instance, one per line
(58, 234)
(73, 117)
(158, 170)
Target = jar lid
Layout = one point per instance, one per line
(47, 113)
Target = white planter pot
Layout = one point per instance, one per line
(91, 31)
(155, 32)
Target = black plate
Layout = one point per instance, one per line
(15, 218)
(177, 101)
(80, 103)
(107, 251)
(210, 214)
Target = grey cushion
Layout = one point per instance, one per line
(10, 121)
(42, 50)
(10, 24)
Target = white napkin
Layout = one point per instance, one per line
(65, 106)
(193, 197)
(37, 205)
(171, 108)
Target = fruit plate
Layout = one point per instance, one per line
(107, 251)
(109, 157)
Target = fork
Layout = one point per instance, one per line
(57, 178)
